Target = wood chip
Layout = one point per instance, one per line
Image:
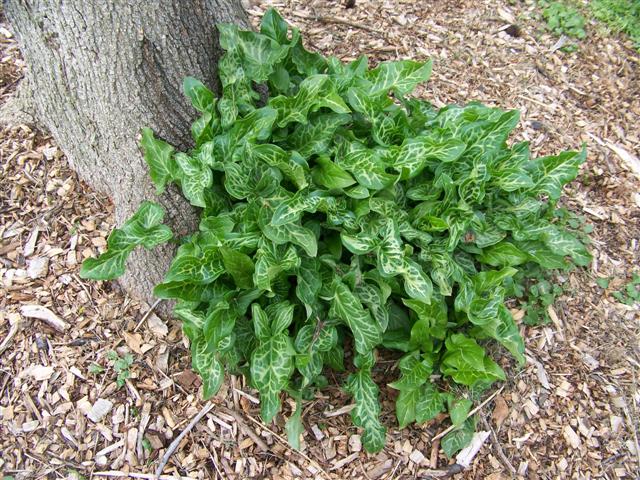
(467, 454)
(572, 438)
(417, 457)
(99, 409)
(41, 373)
(37, 267)
(43, 313)
(339, 411)
(629, 159)
(30, 245)
(341, 463)
(355, 444)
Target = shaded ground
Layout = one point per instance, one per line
(572, 412)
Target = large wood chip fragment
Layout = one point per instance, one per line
(571, 437)
(44, 314)
(99, 410)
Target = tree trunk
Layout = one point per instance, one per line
(100, 70)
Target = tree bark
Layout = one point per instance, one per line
(100, 70)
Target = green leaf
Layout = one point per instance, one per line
(271, 262)
(458, 438)
(401, 76)
(431, 324)
(212, 379)
(309, 283)
(316, 136)
(369, 105)
(551, 173)
(406, 406)
(282, 316)
(314, 92)
(239, 266)
(417, 284)
(307, 63)
(276, 157)
(274, 27)
(143, 228)
(459, 409)
(334, 358)
(292, 209)
(201, 97)
(261, 323)
(271, 367)
(296, 234)
(512, 179)
(503, 254)
(367, 410)
(159, 156)
(330, 175)
(367, 166)
(359, 244)
(508, 334)
(430, 403)
(415, 372)
(257, 53)
(108, 266)
(195, 179)
(199, 270)
(184, 290)
(294, 427)
(415, 154)
(542, 255)
(489, 279)
(218, 326)
(564, 243)
(346, 306)
(466, 362)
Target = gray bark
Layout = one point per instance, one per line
(101, 70)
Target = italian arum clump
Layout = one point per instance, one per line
(341, 217)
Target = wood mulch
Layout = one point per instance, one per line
(93, 385)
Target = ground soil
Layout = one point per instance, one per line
(571, 412)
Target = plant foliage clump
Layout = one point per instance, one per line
(564, 19)
(341, 216)
(619, 15)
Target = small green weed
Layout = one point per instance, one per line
(146, 445)
(563, 19)
(121, 365)
(619, 16)
(537, 289)
(631, 292)
(95, 369)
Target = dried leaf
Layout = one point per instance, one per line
(134, 342)
(500, 411)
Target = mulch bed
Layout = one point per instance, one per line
(69, 409)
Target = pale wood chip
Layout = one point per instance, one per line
(572, 438)
(43, 313)
(99, 409)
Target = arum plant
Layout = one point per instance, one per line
(341, 217)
